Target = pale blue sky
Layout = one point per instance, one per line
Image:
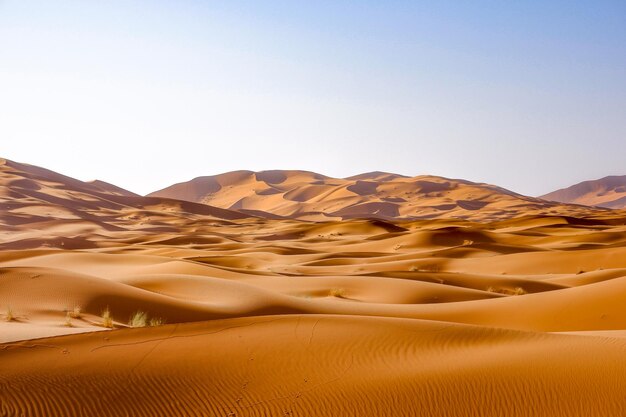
(528, 95)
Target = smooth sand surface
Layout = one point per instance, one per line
(607, 192)
(252, 316)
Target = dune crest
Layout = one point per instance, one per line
(609, 192)
(115, 304)
(309, 196)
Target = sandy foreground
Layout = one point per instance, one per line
(249, 316)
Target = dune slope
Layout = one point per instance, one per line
(607, 192)
(315, 366)
(113, 304)
(310, 196)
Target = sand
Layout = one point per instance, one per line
(256, 315)
(609, 192)
(315, 365)
(309, 196)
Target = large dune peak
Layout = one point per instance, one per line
(310, 196)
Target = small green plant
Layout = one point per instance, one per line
(107, 320)
(337, 292)
(139, 319)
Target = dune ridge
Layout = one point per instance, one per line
(250, 314)
(609, 192)
(310, 196)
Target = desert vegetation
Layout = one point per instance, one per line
(9, 315)
(107, 319)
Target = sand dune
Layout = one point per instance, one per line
(316, 365)
(310, 196)
(254, 315)
(607, 192)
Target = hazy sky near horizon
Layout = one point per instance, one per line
(528, 95)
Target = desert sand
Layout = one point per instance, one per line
(609, 192)
(310, 196)
(256, 307)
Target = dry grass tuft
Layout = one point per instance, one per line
(75, 313)
(156, 322)
(506, 291)
(139, 319)
(337, 292)
(519, 291)
(9, 316)
(107, 320)
(68, 319)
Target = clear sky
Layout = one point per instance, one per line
(528, 95)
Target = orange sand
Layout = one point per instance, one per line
(609, 192)
(440, 317)
(310, 196)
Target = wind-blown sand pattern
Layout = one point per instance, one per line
(261, 316)
(309, 196)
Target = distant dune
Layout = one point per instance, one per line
(41, 204)
(609, 192)
(309, 196)
(113, 304)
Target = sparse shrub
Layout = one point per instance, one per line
(107, 320)
(75, 313)
(9, 316)
(154, 321)
(337, 292)
(139, 319)
(506, 291)
(68, 319)
(519, 291)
